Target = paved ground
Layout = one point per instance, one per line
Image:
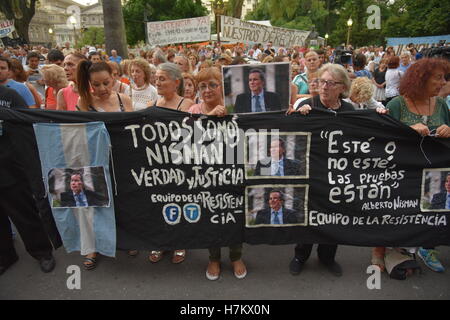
(268, 278)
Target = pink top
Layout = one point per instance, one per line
(70, 97)
(196, 108)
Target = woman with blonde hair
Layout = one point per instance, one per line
(119, 86)
(55, 79)
(141, 91)
(361, 94)
(124, 65)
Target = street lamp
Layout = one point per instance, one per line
(326, 39)
(50, 32)
(349, 25)
(73, 21)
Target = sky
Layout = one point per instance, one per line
(86, 1)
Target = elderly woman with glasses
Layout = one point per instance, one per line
(210, 87)
(334, 85)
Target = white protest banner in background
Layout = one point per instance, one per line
(236, 30)
(6, 27)
(419, 43)
(179, 31)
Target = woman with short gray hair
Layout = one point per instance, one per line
(158, 58)
(334, 86)
(169, 84)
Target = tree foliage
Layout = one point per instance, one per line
(92, 36)
(400, 18)
(137, 11)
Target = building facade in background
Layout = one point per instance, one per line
(60, 21)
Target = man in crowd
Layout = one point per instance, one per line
(79, 196)
(114, 57)
(276, 214)
(278, 164)
(405, 62)
(20, 88)
(35, 76)
(67, 49)
(55, 57)
(258, 100)
(16, 201)
(95, 57)
(269, 50)
(441, 200)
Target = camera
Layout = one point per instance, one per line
(342, 56)
(437, 52)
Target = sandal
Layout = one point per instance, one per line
(378, 257)
(215, 273)
(178, 256)
(89, 263)
(236, 265)
(132, 253)
(155, 256)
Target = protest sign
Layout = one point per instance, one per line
(178, 31)
(236, 30)
(6, 27)
(400, 44)
(190, 181)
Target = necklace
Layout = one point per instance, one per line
(424, 118)
(140, 88)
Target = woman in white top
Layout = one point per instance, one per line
(141, 91)
(393, 77)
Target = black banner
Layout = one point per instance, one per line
(189, 181)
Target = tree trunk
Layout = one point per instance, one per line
(235, 6)
(115, 36)
(21, 13)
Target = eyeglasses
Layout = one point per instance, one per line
(210, 86)
(330, 83)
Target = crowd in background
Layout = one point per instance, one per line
(188, 78)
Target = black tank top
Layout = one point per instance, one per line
(178, 107)
(121, 108)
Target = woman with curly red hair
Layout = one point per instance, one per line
(419, 107)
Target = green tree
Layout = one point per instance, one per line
(415, 18)
(92, 36)
(21, 11)
(136, 12)
(292, 14)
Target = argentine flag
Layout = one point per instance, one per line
(79, 147)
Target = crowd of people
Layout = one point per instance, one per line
(408, 87)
